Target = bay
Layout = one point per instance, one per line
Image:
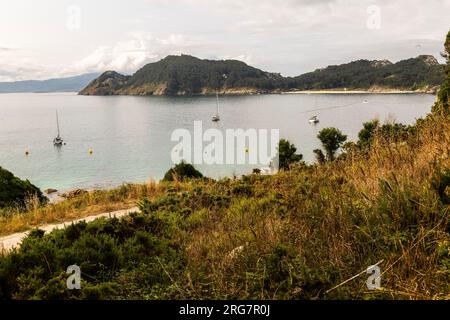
(130, 137)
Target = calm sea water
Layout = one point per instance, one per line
(131, 136)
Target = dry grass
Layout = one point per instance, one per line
(336, 220)
(92, 203)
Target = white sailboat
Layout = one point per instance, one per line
(315, 119)
(58, 141)
(216, 118)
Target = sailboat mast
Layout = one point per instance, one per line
(217, 96)
(57, 122)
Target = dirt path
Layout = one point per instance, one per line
(7, 243)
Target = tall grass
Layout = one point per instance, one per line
(304, 231)
(95, 202)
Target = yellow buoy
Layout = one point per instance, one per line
(91, 151)
(246, 150)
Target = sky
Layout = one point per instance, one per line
(56, 38)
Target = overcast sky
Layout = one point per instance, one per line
(51, 38)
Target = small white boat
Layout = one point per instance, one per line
(58, 141)
(314, 120)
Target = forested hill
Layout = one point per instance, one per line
(423, 72)
(187, 75)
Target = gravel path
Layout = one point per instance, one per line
(7, 243)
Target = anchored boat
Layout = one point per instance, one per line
(58, 141)
(216, 117)
(314, 120)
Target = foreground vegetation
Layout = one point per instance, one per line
(300, 234)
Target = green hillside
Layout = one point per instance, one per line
(411, 74)
(187, 75)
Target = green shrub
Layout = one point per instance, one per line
(181, 172)
(104, 250)
(287, 154)
(16, 192)
(332, 139)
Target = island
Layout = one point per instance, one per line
(186, 75)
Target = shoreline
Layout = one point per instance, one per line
(237, 93)
(358, 92)
(57, 196)
(274, 92)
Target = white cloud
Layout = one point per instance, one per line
(15, 65)
(287, 36)
(129, 55)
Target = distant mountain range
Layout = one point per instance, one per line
(70, 84)
(187, 75)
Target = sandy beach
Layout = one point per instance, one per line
(355, 92)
